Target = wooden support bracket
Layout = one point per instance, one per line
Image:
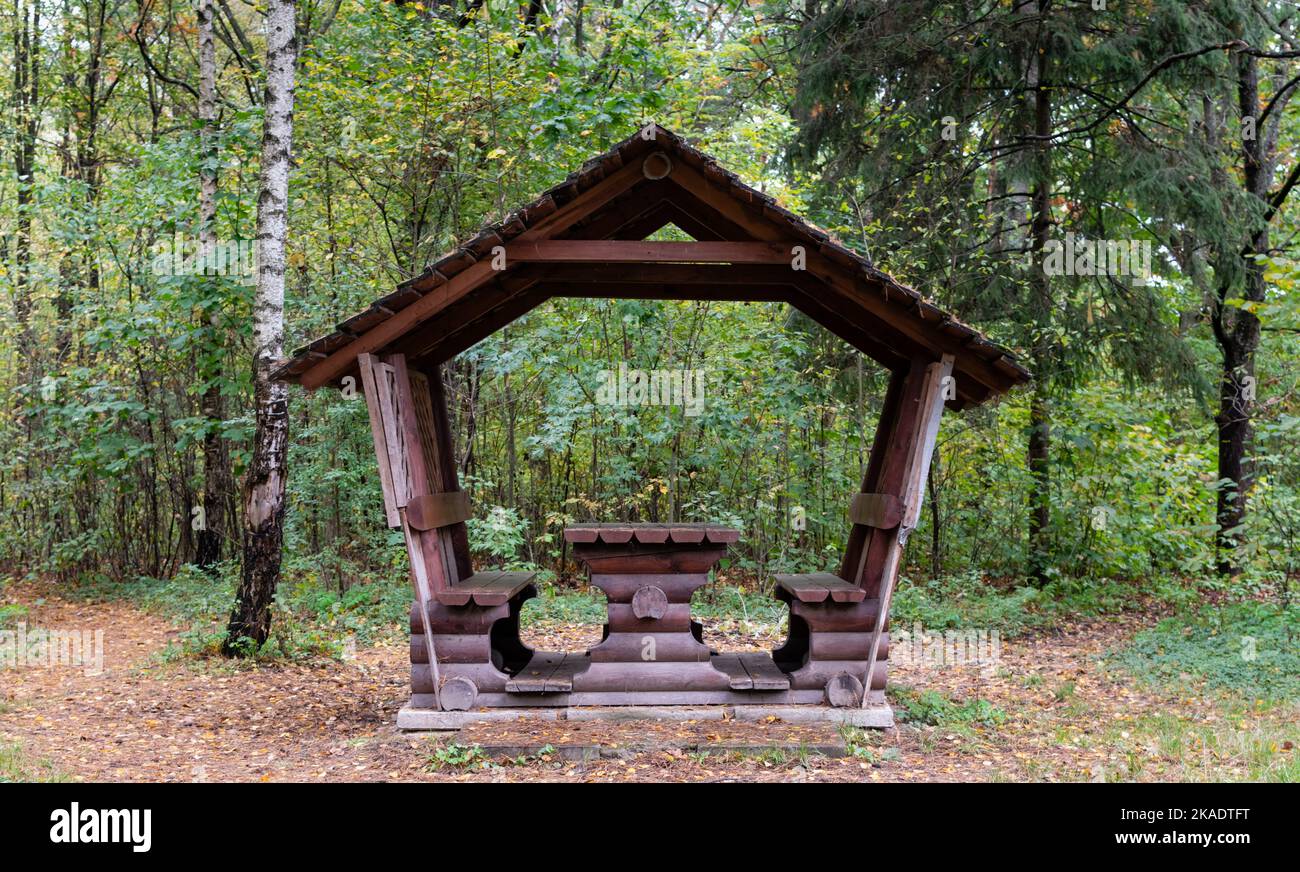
(882, 511)
(431, 511)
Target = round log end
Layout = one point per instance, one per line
(844, 690)
(649, 603)
(657, 166)
(458, 694)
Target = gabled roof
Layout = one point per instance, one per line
(582, 238)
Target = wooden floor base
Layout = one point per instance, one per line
(878, 716)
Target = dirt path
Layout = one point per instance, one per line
(1055, 714)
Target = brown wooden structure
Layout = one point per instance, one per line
(586, 237)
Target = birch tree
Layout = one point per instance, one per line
(264, 487)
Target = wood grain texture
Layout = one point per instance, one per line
(431, 511)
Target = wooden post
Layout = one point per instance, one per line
(915, 443)
(403, 473)
(442, 459)
(851, 567)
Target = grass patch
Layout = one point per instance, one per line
(11, 614)
(310, 620)
(931, 708)
(455, 756)
(722, 602)
(1245, 648)
(16, 766)
(1249, 742)
(962, 602)
(970, 601)
(552, 606)
(867, 745)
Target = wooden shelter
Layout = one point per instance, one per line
(586, 237)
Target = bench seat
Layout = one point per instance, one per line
(817, 587)
(486, 588)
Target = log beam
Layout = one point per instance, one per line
(632, 251)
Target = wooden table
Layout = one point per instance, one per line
(651, 645)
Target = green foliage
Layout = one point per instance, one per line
(931, 708)
(967, 601)
(499, 536)
(1252, 649)
(310, 620)
(11, 613)
(414, 127)
(454, 755)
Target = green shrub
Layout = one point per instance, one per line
(931, 708)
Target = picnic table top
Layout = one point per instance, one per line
(651, 534)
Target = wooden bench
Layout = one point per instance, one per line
(881, 511)
(486, 588)
(817, 587)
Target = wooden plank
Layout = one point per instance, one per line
(503, 588)
(631, 251)
(736, 671)
(462, 594)
(702, 274)
(561, 680)
(469, 335)
(394, 440)
(643, 199)
(385, 332)
(423, 407)
(892, 475)
(816, 587)
(617, 534)
(462, 283)
(652, 534)
(412, 441)
(446, 479)
(721, 535)
(426, 550)
(431, 511)
(370, 389)
(585, 204)
(763, 672)
(806, 293)
(882, 511)
(726, 293)
(532, 678)
(687, 534)
(851, 566)
(491, 588)
(921, 450)
(441, 328)
(896, 319)
(582, 534)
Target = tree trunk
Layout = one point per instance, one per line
(1237, 332)
(1040, 425)
(26, 120)
(264, 486)
(217, 483)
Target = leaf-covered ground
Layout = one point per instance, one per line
(1055, 709)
